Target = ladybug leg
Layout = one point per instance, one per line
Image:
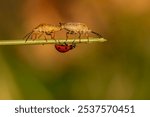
(58, 42)
(65, 44)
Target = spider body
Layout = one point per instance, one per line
(77, 28)
(64, 47)
(43, 30)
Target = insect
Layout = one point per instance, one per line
(43, 30)
(64, 47)
(77, 28)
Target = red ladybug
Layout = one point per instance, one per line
(64, 47)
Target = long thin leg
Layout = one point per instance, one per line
(53, 36)
(40, 35)
(87, 36)
(27, 36)
(33, 36)
(45, 36)
(73, 44)
(67, 33)
(79, 37)
(72, 34)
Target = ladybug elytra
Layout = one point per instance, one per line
(64, 47)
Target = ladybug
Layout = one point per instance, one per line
(64, 47)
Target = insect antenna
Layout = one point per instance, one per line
(100, 36)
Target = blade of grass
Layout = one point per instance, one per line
(50, 41)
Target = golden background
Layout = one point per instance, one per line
(116, 69)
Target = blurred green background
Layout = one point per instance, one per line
(116, 69)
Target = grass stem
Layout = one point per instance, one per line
(49, 41)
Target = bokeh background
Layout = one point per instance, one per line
(116, 69)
